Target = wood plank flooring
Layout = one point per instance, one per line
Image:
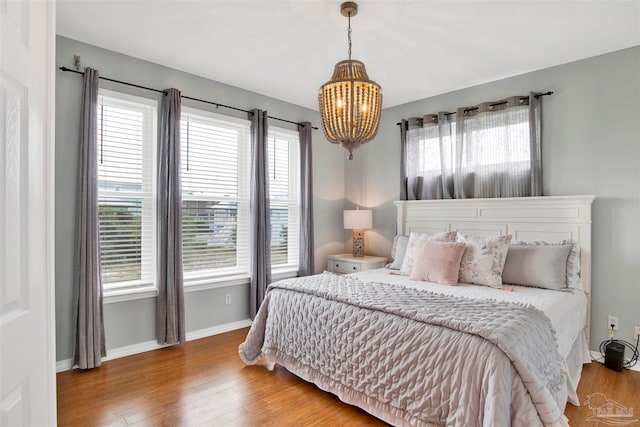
(622, 388)
(204, 382)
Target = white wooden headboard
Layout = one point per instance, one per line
(548, 218)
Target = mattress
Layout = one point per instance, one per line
(567, 311)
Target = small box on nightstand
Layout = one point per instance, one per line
(347, 263)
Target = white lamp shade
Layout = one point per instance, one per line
(358, 219)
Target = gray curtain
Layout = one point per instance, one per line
(89, 344)
(170, 304)
(306, 262)
(403, 162)
(259, 211)
(535, 139)
(429, 162)
(489, 150)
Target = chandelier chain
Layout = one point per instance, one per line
(349, 35)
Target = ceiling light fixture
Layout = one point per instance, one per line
(350, 103)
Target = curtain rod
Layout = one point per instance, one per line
(182, 96)
(497, 103)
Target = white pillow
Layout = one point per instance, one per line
(483, 260)
(414, 241)
(397, 252)
(573, 261)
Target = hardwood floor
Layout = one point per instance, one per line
(622, 388)
(204, 382)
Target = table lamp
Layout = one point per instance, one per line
(358, 221)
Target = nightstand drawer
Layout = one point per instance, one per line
(347, 263)
(344, 267)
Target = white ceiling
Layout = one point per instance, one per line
(286, 49)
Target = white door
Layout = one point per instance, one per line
(27, 356)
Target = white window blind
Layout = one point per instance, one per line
(126, 153)
(284, 196)
(215, 194)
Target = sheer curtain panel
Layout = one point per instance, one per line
(89, 343)
(259, 212)
(306, 263)
(170, 303)
(489, 150)
(429, 157)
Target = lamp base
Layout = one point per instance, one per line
(358, 243)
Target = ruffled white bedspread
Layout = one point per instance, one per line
(479, 363)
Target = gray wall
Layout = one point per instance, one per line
(591, 145)
(133, 322)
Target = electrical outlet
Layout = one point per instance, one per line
(227, 299)
(636, 334)
(612, 320)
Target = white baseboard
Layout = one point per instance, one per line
(596, 356)
(116, 353)
(219, 329)
(63, 365)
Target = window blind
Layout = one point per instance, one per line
(215, 194)
(126, 151)
(284, 195)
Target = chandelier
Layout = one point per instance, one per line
(350, 103)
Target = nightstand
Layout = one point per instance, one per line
(347, 263)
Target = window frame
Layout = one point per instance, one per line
(147, 285)
(214, 278)
(292, 202)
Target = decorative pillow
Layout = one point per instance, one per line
(573, 261)
(397, 252)
(483, 260)
(437, 262)
(412, 247)
(543, 266)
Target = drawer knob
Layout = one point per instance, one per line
(337, 265)
(354, 268)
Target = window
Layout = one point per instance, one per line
(215, 175)
(126, 182)
(283, 149)
(497, 139)
(215, 168)
(479, 152)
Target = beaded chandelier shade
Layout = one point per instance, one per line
(350, 103)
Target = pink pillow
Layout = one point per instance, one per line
(438, 262)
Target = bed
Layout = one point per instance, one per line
(417, 353)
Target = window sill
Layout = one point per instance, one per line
(283, 273)
(200, 284)
(194, 285)
(120, 295)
